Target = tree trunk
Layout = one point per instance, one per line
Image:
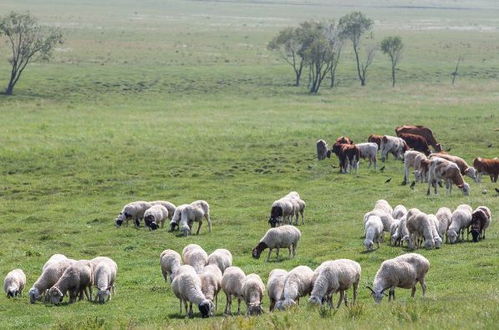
(393, 76)
(10, 89)
(361, 78)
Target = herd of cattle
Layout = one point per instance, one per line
(412, 145)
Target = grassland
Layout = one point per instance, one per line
(179, 100)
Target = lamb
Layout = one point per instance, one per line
(232, 285)
(487, 166)
(399, 212)
(394, 145)
(155, 215)
(14, 283)
(104, 276)
(282, 211)
(333, 276)
(77, 279)
(298, 283)
(404, 271)
(275, 286)
(373, 228)
(461, 218)
(480, 220)
(286, 236)
(194, 212)
(187, 288)
(253, 289)
(195, 256)
(382, 204)
(321, 149)
(168, 205)
(222, 258)
(401, 233)
(170, 262)
(298, 205)
(368, 151)
(418, 226)
(211, 282)
(435, 226)
(416, 160)
(134, 210)
(48, 278)
(464, 168)
(442, 169)
(175, 220)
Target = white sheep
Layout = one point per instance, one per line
(298, 209)
(54, 258)
(404, 271)
(419, 226)
(253, 291)
(275, 286)
(187, 288)
(134, 211)
(104, 276)
(77, 279)
(435, 225)
(383, 205)
(168, 205)
(177, 214)
(386, 218)
(282, 211)
(50, 275)
(194, 212)
(333, 276)
(155, 215)
(286, 236)
(321, 149)
(170, 261)
(195, 256)
(232, 284)
(368, 150)
(460, 219)
(399, 211)
(401, 234)
(14, 283)
(298, 283)
(444, 216)
(221, 258)
(373, 229)
(211, 282)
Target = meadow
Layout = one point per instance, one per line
(180, 100)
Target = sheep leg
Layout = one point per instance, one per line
(342, 295)
(227, 304)
(207, 216)
(391, 294)
(355, 287)
(272, 305)
(413, 291)
(191, 314)
(216, 301)
(423, 286)
(270, 251)
(180, 301)
(199, 227)
(302, 219)
(294, 250)
(277, 254)
(238, 306)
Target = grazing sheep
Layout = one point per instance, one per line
(253, 289)
(419, 226)
(298, 209)
(170, 262)
(211, 283)
(281, 237)
(195, 256)
(187, 288)
(48, 278)
(383, 205)
(435, 225)
(14, 283)
(480, 220)
(134, 210)
(232, 285)
(298, 283)
(77, 279)
(104, 277)
(177, 214)
(155, 215)
(321, 149)
(461, 218)
(194, 212)
(404, 271)
(275, 286)
(394, 145)
(444, 215)
(401, 233)
(399, 212)
(282, 211)
(386, 218)
(333, 276)
(222, 258)
(54, 258)
(368, 151)
(168, 205)
(373, 229)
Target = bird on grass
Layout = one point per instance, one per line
(497, 190)
(490, 145)
(382, 169)
(413, 184)
(388, 180)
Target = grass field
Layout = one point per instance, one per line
(180, 100)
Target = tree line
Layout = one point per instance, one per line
(317, 45)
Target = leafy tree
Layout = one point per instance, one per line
(353, 27)
(289, 45)
(392, 46)
(28, 41)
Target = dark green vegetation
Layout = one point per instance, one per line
(180, 100)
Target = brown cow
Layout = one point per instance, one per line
(348, 154)
(416, 142)
(487, 166)
(344, 140)
(421, 131)
(376, 139)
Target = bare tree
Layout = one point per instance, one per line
(454, 74)
(288, 44)
(28, 41)
(353, 26)
(392, 46)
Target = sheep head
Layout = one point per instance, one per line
(257, 251)
(34, 295)
(206, 308)
(55, 295)
(315, 300)
(103, 295)
(377, 295)
(255, 309)
(452, 236)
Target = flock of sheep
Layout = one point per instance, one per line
(62, 276)
(197, 278)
